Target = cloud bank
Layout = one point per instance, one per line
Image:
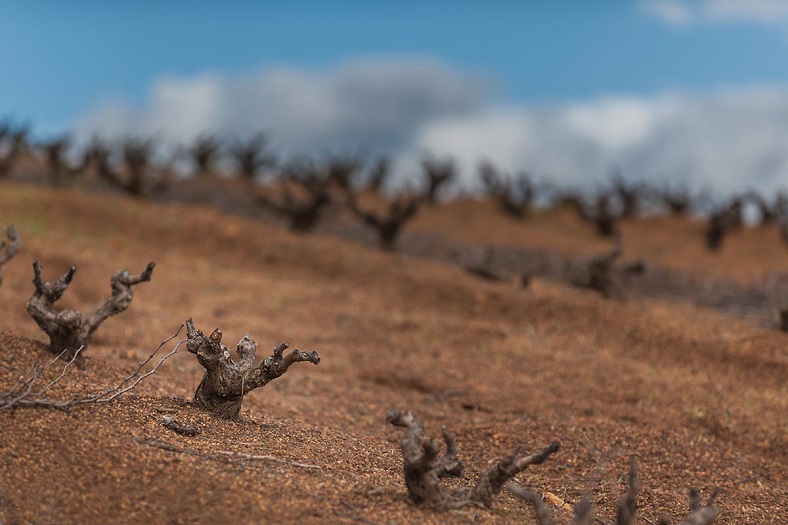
(680, 13)
(727, 140)
(367, 104)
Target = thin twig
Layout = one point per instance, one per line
(29, 397)
(218, 454)
(268, 458)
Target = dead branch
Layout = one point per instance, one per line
(67, 330)
(630, 194)
(220, 455)
(226, 382)
(515, 196)
(10, 248)
(423, 468)
(176, 426)
(303, 211)
(341, 171)
(598, 212)
(493, 480)
(139, 178)
(543, 514)
(13, 142)
(723, 219)
(389, 224)
(770, 211)
(700, 514)
(28, 392)
(628, 504)
(438, 173)
(715, 232)
(55, 152)
(251, 155)
(602, 217)
(378, 174)
(678, 200)
(205, 151)
(584, 512)
(266, 457)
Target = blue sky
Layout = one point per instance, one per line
(77, 64)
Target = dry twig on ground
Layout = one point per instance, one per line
(226, 382)
(223, 455)
(29, 392)
(67, 330)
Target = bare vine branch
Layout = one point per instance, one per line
(67, 330)
(390, 223)
(10, 248)
(27, 393)
(304, 206)
(438, 173)
(423, 467)
(226, 382)
(543, 514)
(515, 196)
(13, 142)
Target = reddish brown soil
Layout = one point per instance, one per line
(701, 399)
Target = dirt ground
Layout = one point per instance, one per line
(700, 398)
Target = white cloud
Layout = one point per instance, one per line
(359, 104)
(633, 119)
(757, 11)
(672, 12)
(729, 139)
(681, 13)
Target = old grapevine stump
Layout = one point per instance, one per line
(226, 382)
(423, 467)
(67, 329)
(10, 248)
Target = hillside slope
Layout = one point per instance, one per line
(698, 397)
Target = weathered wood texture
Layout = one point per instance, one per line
(226, 382)
(423, 468)
(67, 329)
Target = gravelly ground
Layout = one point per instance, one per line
(698, 397)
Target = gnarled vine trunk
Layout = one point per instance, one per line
(226, 382)
(67, 330)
